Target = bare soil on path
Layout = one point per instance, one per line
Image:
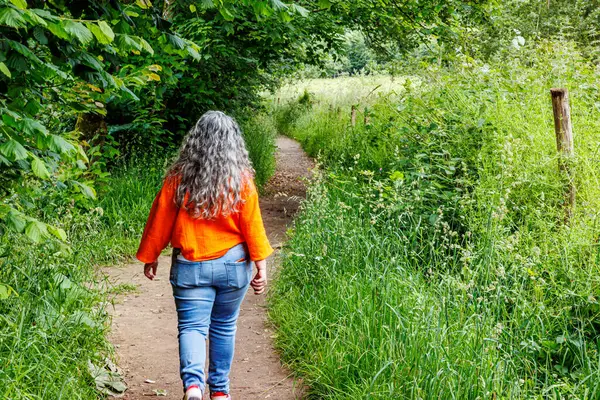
(144, 323)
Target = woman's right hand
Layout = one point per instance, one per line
(259, 283)
(150, 270)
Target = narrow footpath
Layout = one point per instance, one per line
(144, 325)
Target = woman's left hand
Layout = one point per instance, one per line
(150, 269)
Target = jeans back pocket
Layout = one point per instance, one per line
(190, 274)
(239, 273)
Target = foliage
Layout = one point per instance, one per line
(259, 134)
(55, 323)
(430, 260)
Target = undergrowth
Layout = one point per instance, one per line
(431, 260)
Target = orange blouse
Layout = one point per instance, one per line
(201, 239)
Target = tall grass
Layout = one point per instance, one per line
(57, 322)
(259, 135)
(430, 260)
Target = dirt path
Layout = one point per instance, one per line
(144, 328)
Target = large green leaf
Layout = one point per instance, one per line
(128, 43)
(107, 378)
(145, 45)
(23, 50)
(13, 18)
(34, 19)
(58, 30)
(176, 41)
(33, 127)
(6, 291)
(78, 30)
(39, 168)
(5, 69)
(300, 10)
(102, 31)
(13, 150)
(88, 191)
(58, 232)
(59, 145)
(36, 231)
(278, 5)
(91, 61)
(15, 221)
(22, 4)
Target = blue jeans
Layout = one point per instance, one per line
(208, 296)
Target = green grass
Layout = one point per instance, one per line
(259, 135)
(430, 260)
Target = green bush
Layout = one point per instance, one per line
(430, 260)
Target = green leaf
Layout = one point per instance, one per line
(40, 35)
(88, 191)
(227, 14)
(22, 4)
(5, 69)
(127, 43)
(45, 14)
(278, 5)
(396, 176)
(145, 45)
(4, 210)
(13, 150)
(58, 30)
(103, 32)
(59, 145)
(39, 169)
(324, 4)
(58, 232)
(207, 4)
(6, 291)
(143, 3)
(91, 61)
(176, 41)
(23, 50)
(79, 31)
(107, 379)
(36, 231)
(81, 165)
(33, 127)
(300, 10)
(107, 30)
(15, 221)
(194, 53)
(34, 19)
(82, 154)
(13, 18)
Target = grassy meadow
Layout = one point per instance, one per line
(431, 260)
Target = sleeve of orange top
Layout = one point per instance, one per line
(159, 226)
(252, 225)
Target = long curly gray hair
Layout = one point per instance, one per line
(211, 168)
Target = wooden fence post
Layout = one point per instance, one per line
(353, 116)
(564, 143)
(367, 117)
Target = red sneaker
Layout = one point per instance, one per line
(219, 396)
(193, 393)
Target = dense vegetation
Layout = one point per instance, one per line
(436, 221)
(431, 259)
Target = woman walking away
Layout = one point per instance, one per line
(208, 210)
